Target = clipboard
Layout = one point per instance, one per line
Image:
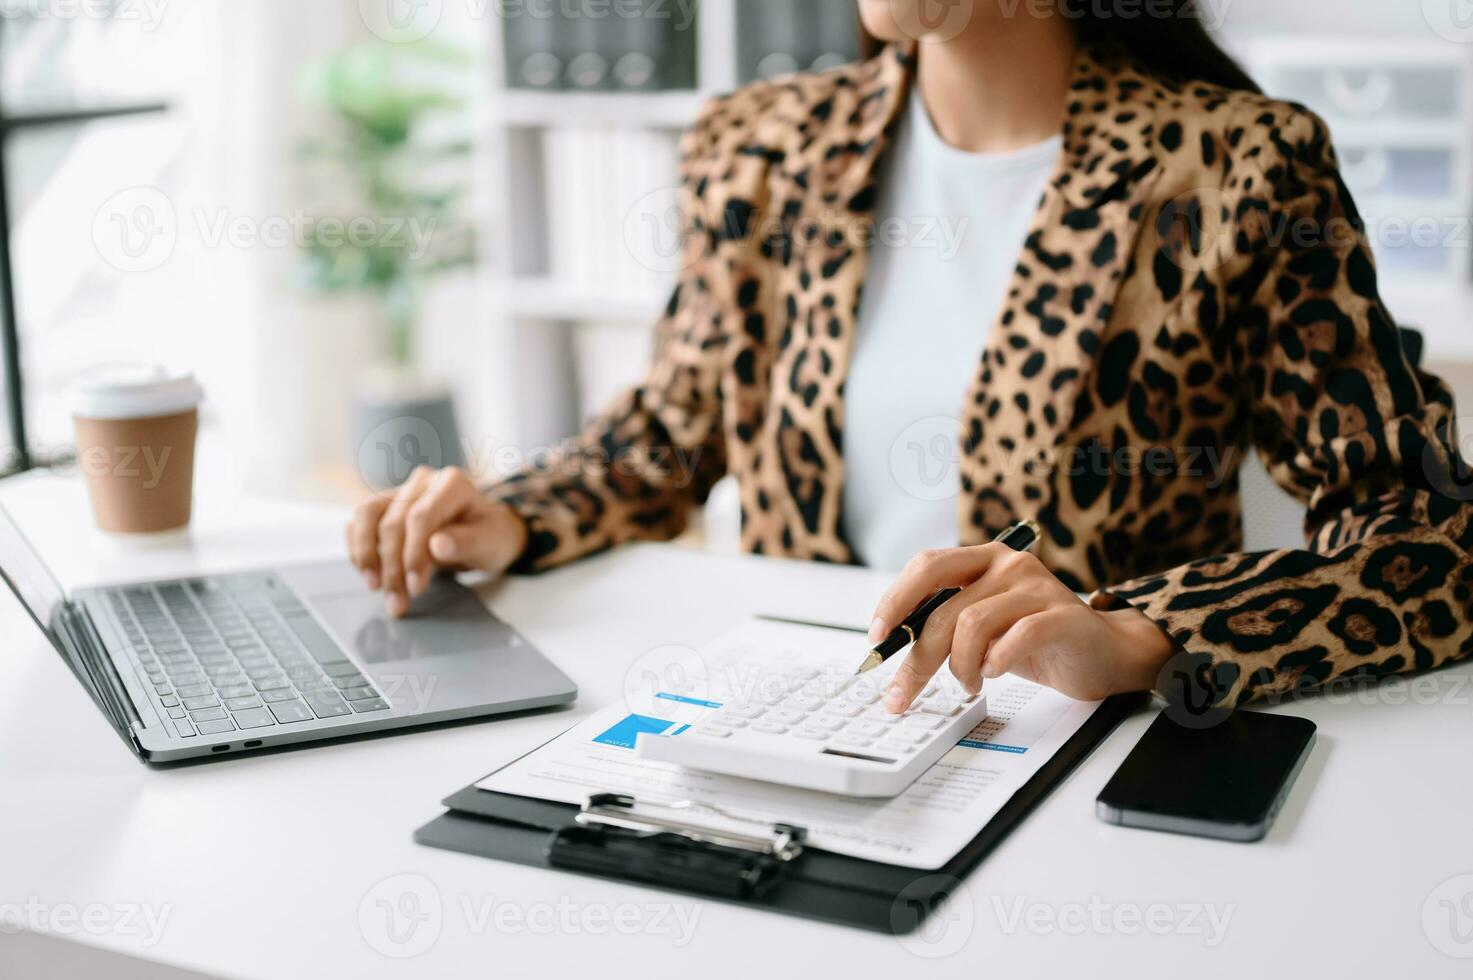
(615, 838)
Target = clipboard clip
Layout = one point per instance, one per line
(611, 836)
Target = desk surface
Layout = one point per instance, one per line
(290, 865)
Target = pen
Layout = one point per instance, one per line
(1019, 537)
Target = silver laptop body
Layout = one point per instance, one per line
(215, 665)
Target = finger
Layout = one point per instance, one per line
(927, 572)
(928, 654)
(391, 541)
(980, 626)
(440, 504)
(363, 539)
(474, 544)
(1022, 640)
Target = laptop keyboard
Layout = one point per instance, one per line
(222, 657)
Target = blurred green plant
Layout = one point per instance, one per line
(394, 162)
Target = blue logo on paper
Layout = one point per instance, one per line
(623, 734)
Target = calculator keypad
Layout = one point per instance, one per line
(845, 713)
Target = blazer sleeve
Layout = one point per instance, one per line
(636, 470)
(1346, 425)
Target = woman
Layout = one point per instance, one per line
(1134, 294)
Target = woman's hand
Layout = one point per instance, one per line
(437, 519)
(1014, 616)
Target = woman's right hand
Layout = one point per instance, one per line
(437, 519)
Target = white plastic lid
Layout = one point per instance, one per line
(134, 391)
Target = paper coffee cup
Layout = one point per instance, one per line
(135, 428)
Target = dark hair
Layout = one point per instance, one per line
(1169, 39)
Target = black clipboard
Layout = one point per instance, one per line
(609, 838)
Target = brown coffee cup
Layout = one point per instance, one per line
(135, 429)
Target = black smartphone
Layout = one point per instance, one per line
(1226, 779)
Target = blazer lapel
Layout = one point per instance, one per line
(1041, 357)
(834, 185)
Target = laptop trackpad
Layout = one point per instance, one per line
(447, 619)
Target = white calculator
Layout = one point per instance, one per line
(818, 729)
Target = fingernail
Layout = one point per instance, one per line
(370, 579)
(989, 670)
(895, 700)
(416, 582)
(877, 630)
(398, 605)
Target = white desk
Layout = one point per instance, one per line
(261, 864)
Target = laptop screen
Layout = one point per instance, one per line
(29, 578)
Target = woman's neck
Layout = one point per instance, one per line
(999, 89)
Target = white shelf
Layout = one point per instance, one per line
(660, 110)
(548, 299)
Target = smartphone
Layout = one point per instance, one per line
(1224, 780)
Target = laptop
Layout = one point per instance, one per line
(215, 665)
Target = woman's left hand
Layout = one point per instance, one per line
(1014, 616)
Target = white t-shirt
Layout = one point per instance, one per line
(949, 231)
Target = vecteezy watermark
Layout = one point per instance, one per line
(1097, 916)
(143, 920)
(146, 464)
(669, 683)
(925, 458)
(404, 916)
(1451, 20)
(1197, 696)
(1445, 459)
(147, 15)
(665, 231)
(138, 229)
(407, 21)
(401, 916)
(942, 20)
(933, 917)
(396, 447)
(1203, 229)
(1447, 917)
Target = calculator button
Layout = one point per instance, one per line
(896, 747)
(865, 729)
(940, 707)
(748, 711)
(731, 721)
(782, 717)
(922, 722)
(851, 742)
(713, 731)
(845, 708)
(813, 734)
(770, 728)
(830, 722)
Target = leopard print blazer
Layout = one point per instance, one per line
(1196, 279)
